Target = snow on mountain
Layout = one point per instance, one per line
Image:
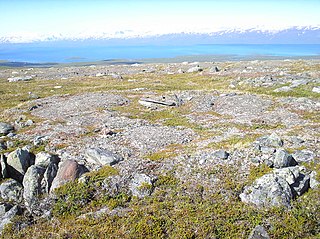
(293, 35)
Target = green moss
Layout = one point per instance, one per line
(74, 196)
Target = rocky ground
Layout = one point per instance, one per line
(181, 150)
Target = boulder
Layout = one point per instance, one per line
(141, 185)
(272, 140)
(283, 159)
(99, 156)
(269, 190)
(18, 162)
(278, 187)
(32, 185)
(5, 128)
(259, 232)
(11, 191)
(68, 170)
(297, 177)
(44, 159)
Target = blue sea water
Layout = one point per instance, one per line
(81, 52)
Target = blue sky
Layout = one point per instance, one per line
(74, 17)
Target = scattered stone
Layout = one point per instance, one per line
(23, 78)
(5, 128)
(221, 154)
(303, 156)
(316, 90)
(69, 170)
(195, 69)
(141, 185)
(283, 89)
(11, 191)
(116, 76)
(143, 100)
(102, 157)
(18, 162)
(259, 232)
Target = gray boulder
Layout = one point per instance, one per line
(259, 232)
(5, 128)
(99, 156)
(283, 159)
(314, 183)
(278, 187)
(272, 140)
(18, 162)
(68, 170)
(44, 159)
(141, 185)
(11, 191)
(269, 190)
(8, 216)
(297, 177)
(32, 185)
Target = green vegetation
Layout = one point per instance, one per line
(170, 213)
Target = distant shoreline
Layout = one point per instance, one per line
(179, 59)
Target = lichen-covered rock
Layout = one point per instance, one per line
(44, 159)
(278, 187)
(18, 162)
(32, 185)
(141, 185)
(69, 170)
(269, 190)
(11, 191)
(283, 159)
(272, 140)
(102, 157)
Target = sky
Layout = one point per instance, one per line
(116, 17)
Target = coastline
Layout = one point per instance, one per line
(178, 59)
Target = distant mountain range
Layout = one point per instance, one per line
(293, 35)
